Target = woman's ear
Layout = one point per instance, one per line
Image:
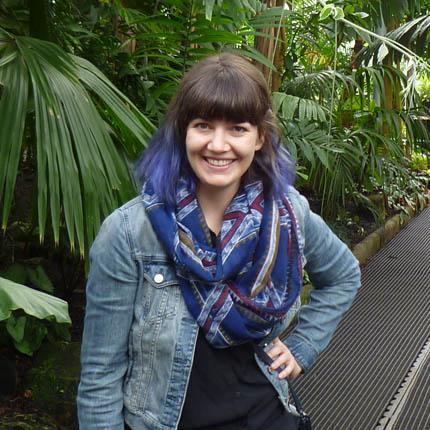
(260, 141)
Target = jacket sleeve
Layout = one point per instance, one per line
(335, 276)
(110, 295)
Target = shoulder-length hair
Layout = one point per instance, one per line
(221, 87)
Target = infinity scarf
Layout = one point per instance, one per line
(238, 289)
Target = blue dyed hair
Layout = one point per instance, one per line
(220, 87)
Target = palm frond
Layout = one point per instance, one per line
(81, 174)
(400, 49)
(319, 83)
(372, 81)
(13, 110)
(307, 143)
(289, 106)
(413, 34)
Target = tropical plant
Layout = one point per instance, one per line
(174, 35)
(61, 115)
(351, 110)
(343, 92)
(29, 316)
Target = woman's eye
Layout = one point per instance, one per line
(202, 125)
(238, 129)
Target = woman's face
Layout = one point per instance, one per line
(220, 152)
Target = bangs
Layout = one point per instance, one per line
(225, 95)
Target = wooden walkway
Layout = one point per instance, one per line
(375, 375)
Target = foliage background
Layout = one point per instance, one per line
(81, 96)
(84, 83)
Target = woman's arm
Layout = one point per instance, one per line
(110, 293)
(335, 275)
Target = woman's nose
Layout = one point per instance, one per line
(218, 142)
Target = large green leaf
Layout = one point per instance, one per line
(40, 305)
(82, 175)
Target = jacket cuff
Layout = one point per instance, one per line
(304, 353)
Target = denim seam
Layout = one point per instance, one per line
(156, 330)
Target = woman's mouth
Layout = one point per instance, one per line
(218, 162)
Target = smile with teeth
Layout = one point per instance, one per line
(220, 163)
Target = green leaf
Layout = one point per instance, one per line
(16, 327)
(362, 15)
(338, 13)
(13, 109)
(287, 105)
(209, 6)
(252, 53)
(82, 175)
(35, 332)
(15, 296)
(349, 9)
(39, 279)
(213, 36)
(322, 155)
(8, 58)
(382, 52)
(128, 114)
(277, 99)
(326, 12)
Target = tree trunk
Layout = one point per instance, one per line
(272, 50)
(358, 46)
(408, 144)
(387, 97)
(387, 101)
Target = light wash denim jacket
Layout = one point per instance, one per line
(139, 338)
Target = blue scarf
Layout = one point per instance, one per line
(238, 289)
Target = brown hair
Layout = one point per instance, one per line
(223, 86)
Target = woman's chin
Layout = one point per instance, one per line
(218, 184)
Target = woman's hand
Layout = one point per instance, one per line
(283, 358)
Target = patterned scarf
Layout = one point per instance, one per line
(238, 289)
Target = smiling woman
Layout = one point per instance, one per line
(219, 153)
(228, 88)
(192, 282)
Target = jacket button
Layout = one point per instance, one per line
(158, 278)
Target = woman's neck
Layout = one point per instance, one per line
(213, 202)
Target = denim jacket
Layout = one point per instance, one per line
(139, 338)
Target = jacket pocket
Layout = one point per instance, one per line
(161, 293)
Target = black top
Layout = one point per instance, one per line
(228, 390)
